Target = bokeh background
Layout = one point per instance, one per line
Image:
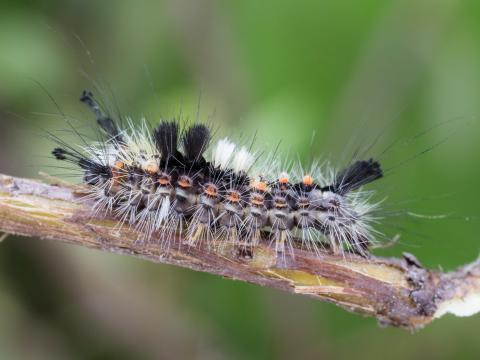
(405, 72)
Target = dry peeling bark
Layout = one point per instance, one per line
(398, 292)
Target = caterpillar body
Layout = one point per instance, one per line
(165, 181)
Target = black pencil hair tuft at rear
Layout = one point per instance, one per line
(356, 175)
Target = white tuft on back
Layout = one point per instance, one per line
(243, 160)
(222, 153)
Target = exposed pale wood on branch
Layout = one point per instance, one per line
(398, 292)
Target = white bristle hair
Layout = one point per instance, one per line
(139, 147)
(105, 153)
(243, 160)
(222, 153)
(284, 175)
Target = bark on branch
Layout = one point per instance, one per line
(398, 292)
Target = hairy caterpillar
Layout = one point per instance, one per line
(168, 180)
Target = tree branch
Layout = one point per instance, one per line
(398, 292)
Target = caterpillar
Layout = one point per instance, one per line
(171, 180)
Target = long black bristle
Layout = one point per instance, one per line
(195, 142)
(356, 175)
(104, 121)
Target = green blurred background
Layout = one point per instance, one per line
(340, 69)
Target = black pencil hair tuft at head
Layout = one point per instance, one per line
(107, 124)
(59, 154)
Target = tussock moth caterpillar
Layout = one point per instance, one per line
(171, 180)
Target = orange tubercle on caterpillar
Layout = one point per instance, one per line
(233, 196)
(211, 190)
(184, 182)
(308, 180)
(260, 186)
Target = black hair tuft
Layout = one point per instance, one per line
(195, 142)
(104, 121)
(166, 139)
(359, 173)
(59, 153)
